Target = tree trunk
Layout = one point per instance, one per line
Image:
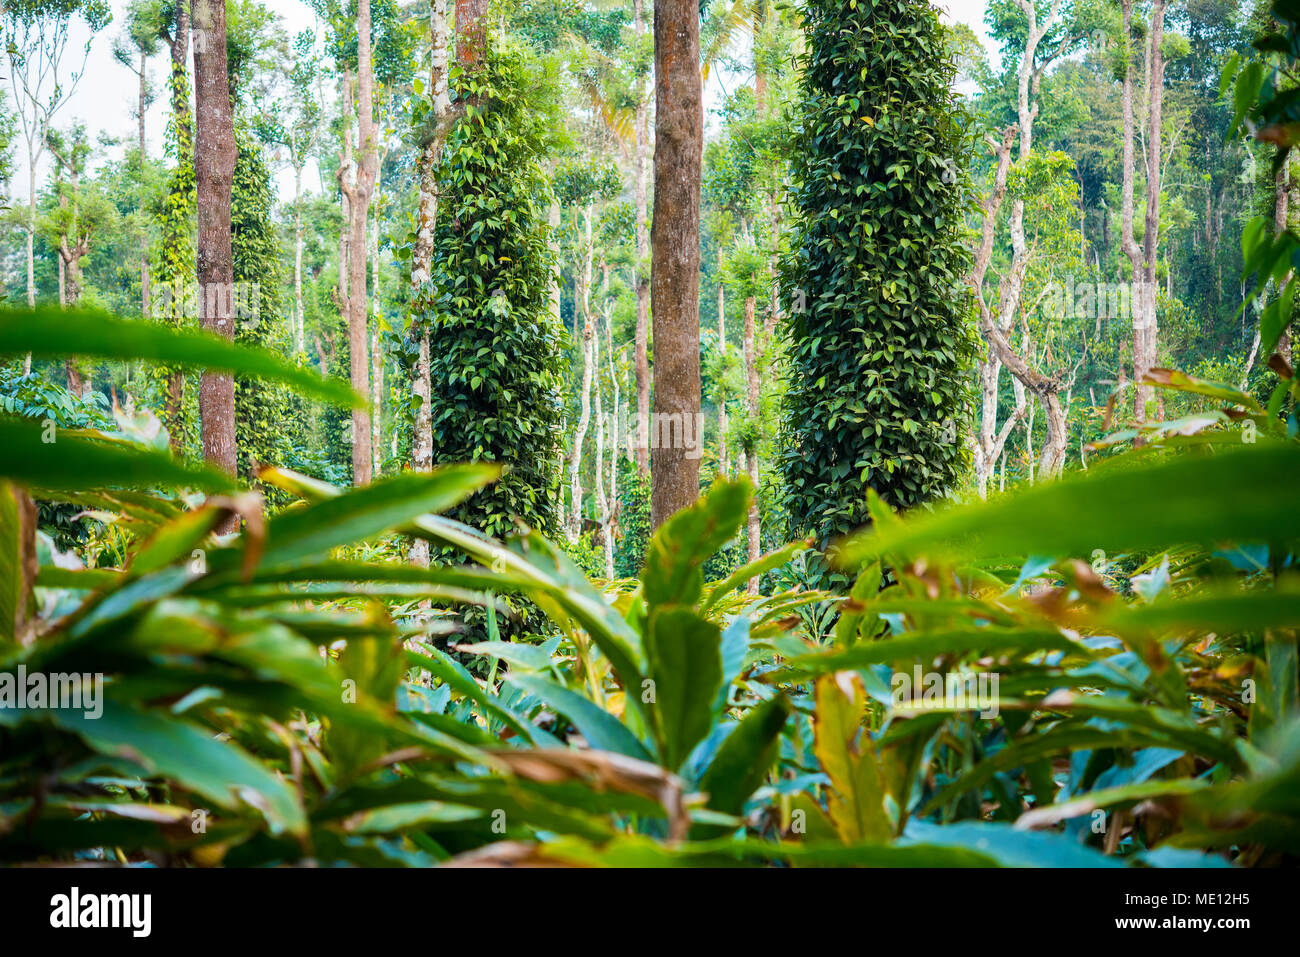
(751, 386)
(298, 318)
(675, 247)
(345, 206)
(1151, 240)
(422, 254)
(1128, 244)
(553, 220)
(615, 433)
(214, 166)
(1280, 220)
(31, 234)
(642, 345)
(991, 442)
(144, 237)
(598, 475)
(584, 409)
(724, 466)
(997, 324)
(471, 32)
(359, 192)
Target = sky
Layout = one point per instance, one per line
(105, 98)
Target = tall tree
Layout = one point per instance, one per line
(359, 192)
(214, 168)
(1146, 333)
(433, 134)
(642, 160)
(675, 252)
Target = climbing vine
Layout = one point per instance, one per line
(172, 270)
(267, 416)
(496, 392)
(880, 339)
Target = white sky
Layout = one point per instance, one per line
(105, 98)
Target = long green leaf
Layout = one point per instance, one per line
(1245, 495)
(50, 332)
(75, 463)
(685, 658)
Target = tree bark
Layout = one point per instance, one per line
(584, 409)
(1127, 242)
(298, 319)
(144, 238)
(598, 476)
(422, 255)
(615, 432)
(724, 466)
(991, 441)
(751, 386)
(997, 328)
(1280, 219)
(471, 32)
(359, 192)
(214, 166)
(675, 247)
(1146, 335)
(642, 345)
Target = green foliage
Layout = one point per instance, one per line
(268, 418)
(879, 391)
(174, 262)
(634, 520)
(496, 350)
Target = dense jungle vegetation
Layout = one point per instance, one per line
(651, 432)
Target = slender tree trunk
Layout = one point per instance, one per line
(1280, 220)
(752, 392)
(553, 221)
(1127, 242)
(724, 466)
(615, 433)
(598, 475)
(359, 193)
(642, 344)
(299, 321)
(584, 410)
(144, 236)
(376, 350)
(214, 166)
(1144, 360)
(422, 255)
(990, 440)
(345, 205)
(997, 328)
(580, 437)
(31, 231)
(675, 244)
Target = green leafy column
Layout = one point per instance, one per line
(880, 336)
(495, 349)
(173, 299)
(267, 415)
